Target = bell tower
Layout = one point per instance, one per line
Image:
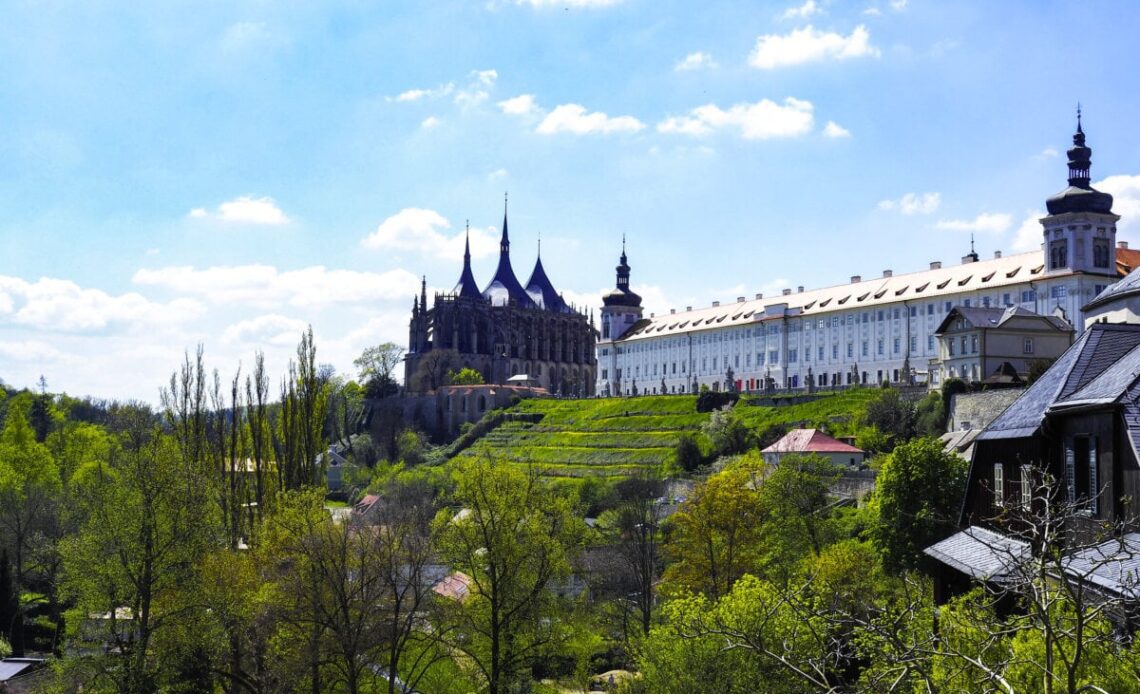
(1080, 229)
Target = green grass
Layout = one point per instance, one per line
(620, 437)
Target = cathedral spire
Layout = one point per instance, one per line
(467, 243)
(505, 242)
(466, 287)
(504, 286)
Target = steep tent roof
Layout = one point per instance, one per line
(504, 287)
(542, 292)
(466, 287)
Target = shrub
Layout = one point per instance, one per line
(710, 400)
(689, 455)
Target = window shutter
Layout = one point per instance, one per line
(1070, 472)
(1093, 488)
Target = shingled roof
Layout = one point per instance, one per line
(1101, 368)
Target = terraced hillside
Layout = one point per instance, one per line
(618, 437)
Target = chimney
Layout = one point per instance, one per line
(1122, 245)
(856, 279)
(969, 258)
(800, 289)
(716, 303)
(936, 265)
(651, 315)
(887, 273)
(759, 295)
(672, 311)
(787, 291)
(688, 308)
(740, 299)
(997, 254)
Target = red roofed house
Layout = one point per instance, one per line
(805, 441)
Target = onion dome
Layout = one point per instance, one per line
(466, 288)
(541, 291)
(504, 287)
(621, 295)
(1079, 196)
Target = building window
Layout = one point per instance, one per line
(966, 303)
(835, 351)
(913, 343)
(949, 305)
(792, 356)
(736, 361)
(973, 344)
(913, 311)
(748, 359)
(895, 347)
(819, 353)
(760, 359)
(850, 350)
(1026, 486)
(1058, 254)
(929, 343)
(1028, 295)
(950, 342)
(1081, 471)
(999, 485)
(605, 374)
(1027, 346)
(1005, 299)
(986, 301)
(963, 349)
(865, 317)
(1100, 253)
(773, 356)
(1059, 292)
(879, 316)
(930, 309)
(863, 349)
(896, 314)
(879, 347)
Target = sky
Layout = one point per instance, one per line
(224, 174)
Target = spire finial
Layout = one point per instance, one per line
(1079, 117)
(971, 243)
(540, 244)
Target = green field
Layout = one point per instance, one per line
(619, 437)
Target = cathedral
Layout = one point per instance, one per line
(507, 332)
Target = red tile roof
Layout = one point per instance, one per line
(809, 441)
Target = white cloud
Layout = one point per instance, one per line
(266, 286)
(809, 9)
(898, 5)
(419, 230)
(1125, 191)
(521, 105)
(873, 12)
(476, 91)
(1029, 234)
(761, 120)
(272, 328)
(833, 129)
(29, 351)
(429, 123)
(418, 94)
(913, 203)
(497, 174)
(990, 222)
(245, 209)
(695, 61)
(1047, 153)
(63, 306)
(807, 45)
(573, 118)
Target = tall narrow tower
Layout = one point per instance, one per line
(620, 310)
(1080, 229)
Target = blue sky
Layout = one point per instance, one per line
(225, 173)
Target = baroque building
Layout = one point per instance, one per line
(506, 332)
(868, 330)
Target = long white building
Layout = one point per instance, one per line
(870, 329)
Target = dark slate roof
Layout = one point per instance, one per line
(466, 287)
(1128, 286)
(1101, 366)
(1112, 566)
(542, 292)
(504, 287)
(993, 317)
(980, 553)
